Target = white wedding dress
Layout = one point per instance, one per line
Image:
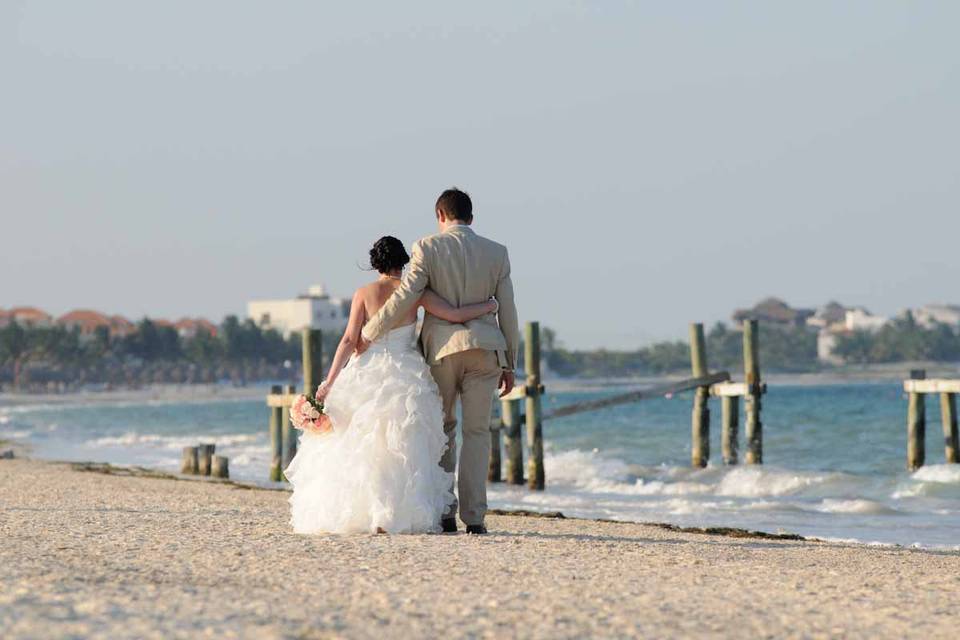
(380, 466)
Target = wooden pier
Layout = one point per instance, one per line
(511, 418)
(283, 436)
(751, 390)
(917, 388)
(705, 385)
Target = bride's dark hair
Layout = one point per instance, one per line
(388, 255)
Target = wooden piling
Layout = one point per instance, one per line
(312, 354)
(220, 468)
(493, 469)
(535, 475)
(948, 413)
(730, 421)
(276, 438)
(512, 441)
(204, 457)
(753, 427)
(289, 440)
(189, 462)
(700, 431)
(916, 425)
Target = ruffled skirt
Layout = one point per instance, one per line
(380, 466)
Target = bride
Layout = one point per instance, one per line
(378, 470)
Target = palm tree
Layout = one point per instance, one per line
(19, 345)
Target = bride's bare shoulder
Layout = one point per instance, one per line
(365, 293)
(373, 295)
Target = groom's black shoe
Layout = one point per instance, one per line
(449, 525)
(476, 529)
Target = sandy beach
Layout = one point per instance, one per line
(87, 554)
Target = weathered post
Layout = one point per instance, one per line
(752, 400)
(535, 475)
(204, 456)
(220, 467)
(276, 438)
(916, 425)
(493, 469)
(189, 463)
(513, 443)
(312, 354)
(948, 413)
(700, 432)
(730, 419)
(289, 447)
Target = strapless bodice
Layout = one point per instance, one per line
(396, 340)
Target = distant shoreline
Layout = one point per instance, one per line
(876, 373)
(153, 393)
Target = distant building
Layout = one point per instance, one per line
(120, 327)
(30, 317)
(314, 309)
(774, 312)
(853, 319)
(826, 343)
(828, 315)
(931, 314)
(859, 319)
(5, 318)
(84, 321)
(189, 327)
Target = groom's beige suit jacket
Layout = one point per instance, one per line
(462, 268)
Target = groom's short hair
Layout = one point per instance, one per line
(456, 204)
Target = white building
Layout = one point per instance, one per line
(931, 314)
(854, 319)
(859, 319)
(314, 309)
(826, 343)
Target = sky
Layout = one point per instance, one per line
(648, 164)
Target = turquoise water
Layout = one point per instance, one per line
(834, 459)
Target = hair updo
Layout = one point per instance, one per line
(388, 255)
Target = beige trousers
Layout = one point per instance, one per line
(473, 376)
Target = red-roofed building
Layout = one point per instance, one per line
(83, 320)
(190, 327)
(31, 317)
(773, 312)
(86, 321)
(4, 318)
(120, 327)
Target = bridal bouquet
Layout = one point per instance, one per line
(307, 414)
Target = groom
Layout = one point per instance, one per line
(469, 360)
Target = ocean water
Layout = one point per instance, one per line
(834, 459)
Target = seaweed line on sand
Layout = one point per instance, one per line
(144, 472)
